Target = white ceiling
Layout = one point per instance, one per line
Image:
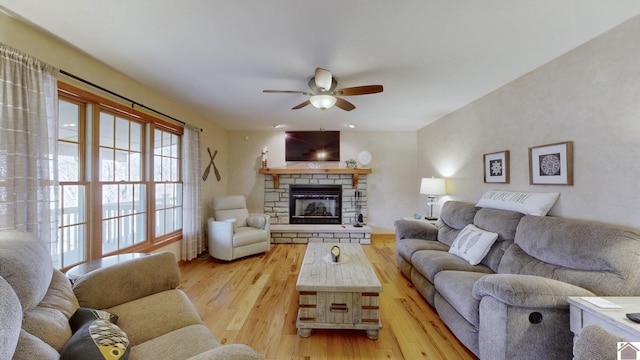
(431, 56)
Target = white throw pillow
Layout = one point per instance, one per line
(473, 244)
(523, 202)
(256, 221)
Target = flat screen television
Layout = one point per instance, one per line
(312, 146)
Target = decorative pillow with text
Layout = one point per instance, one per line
(527, 203)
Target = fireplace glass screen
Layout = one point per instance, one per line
(315, 204)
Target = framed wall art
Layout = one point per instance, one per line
(551, 164)
(496, 167)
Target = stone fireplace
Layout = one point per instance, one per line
(352, 201)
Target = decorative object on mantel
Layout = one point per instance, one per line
(496, 167)
(364, 157)
(351, 164)
(432, 187)
(264, 157)
(211, 163)
(551, 164)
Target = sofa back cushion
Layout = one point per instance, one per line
(454, 216)
(600, 258)
(26, 265)
(502, 222)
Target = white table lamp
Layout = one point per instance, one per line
(432, 187)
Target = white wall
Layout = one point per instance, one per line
(392, 185)
(590, 95)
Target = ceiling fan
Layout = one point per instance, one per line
(324, 95)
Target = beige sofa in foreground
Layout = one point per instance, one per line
(155, 320)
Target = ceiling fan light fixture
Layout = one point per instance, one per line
(323, 102)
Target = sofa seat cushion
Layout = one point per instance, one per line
(430, 262)
(31, 347)
(407, 247)
(248, 236)
(456, 288)
(155, 315)
(179, 344)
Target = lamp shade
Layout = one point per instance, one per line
(323, 102)
(432, 186)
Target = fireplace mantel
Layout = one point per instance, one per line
(276, 172)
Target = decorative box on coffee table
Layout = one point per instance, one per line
(338, 295)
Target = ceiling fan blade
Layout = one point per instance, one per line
(288, 92)
(301, 105)
(344, 104)
(324, 78)
(359, 90)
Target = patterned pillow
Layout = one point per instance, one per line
(95, 337)
(473, 244)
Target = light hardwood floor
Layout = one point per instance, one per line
(254, 301)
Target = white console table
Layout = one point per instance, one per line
(583, 313)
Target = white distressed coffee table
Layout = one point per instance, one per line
(343, 295)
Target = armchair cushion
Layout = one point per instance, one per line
(231, 207)
(257, 221)
(248, 235)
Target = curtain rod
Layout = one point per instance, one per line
(120, 96)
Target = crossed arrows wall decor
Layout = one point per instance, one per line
(211, 163)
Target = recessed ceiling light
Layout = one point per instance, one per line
(351, 126)
(277, 126)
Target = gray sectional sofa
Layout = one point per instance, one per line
(512, 305)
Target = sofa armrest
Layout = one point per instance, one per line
(127, 281)
(231, 351)
(409, 229)
(527, 290)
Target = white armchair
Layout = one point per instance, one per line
(234, 232)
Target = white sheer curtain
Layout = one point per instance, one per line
(28, 143)
(192, 239)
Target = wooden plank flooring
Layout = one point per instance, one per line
(254, 301)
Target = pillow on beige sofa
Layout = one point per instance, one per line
(96, 336)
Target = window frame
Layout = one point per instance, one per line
(90, 171)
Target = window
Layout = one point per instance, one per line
(120, 181)
(72, 231)
(168, 188)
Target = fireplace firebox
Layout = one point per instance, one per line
(315, 204)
